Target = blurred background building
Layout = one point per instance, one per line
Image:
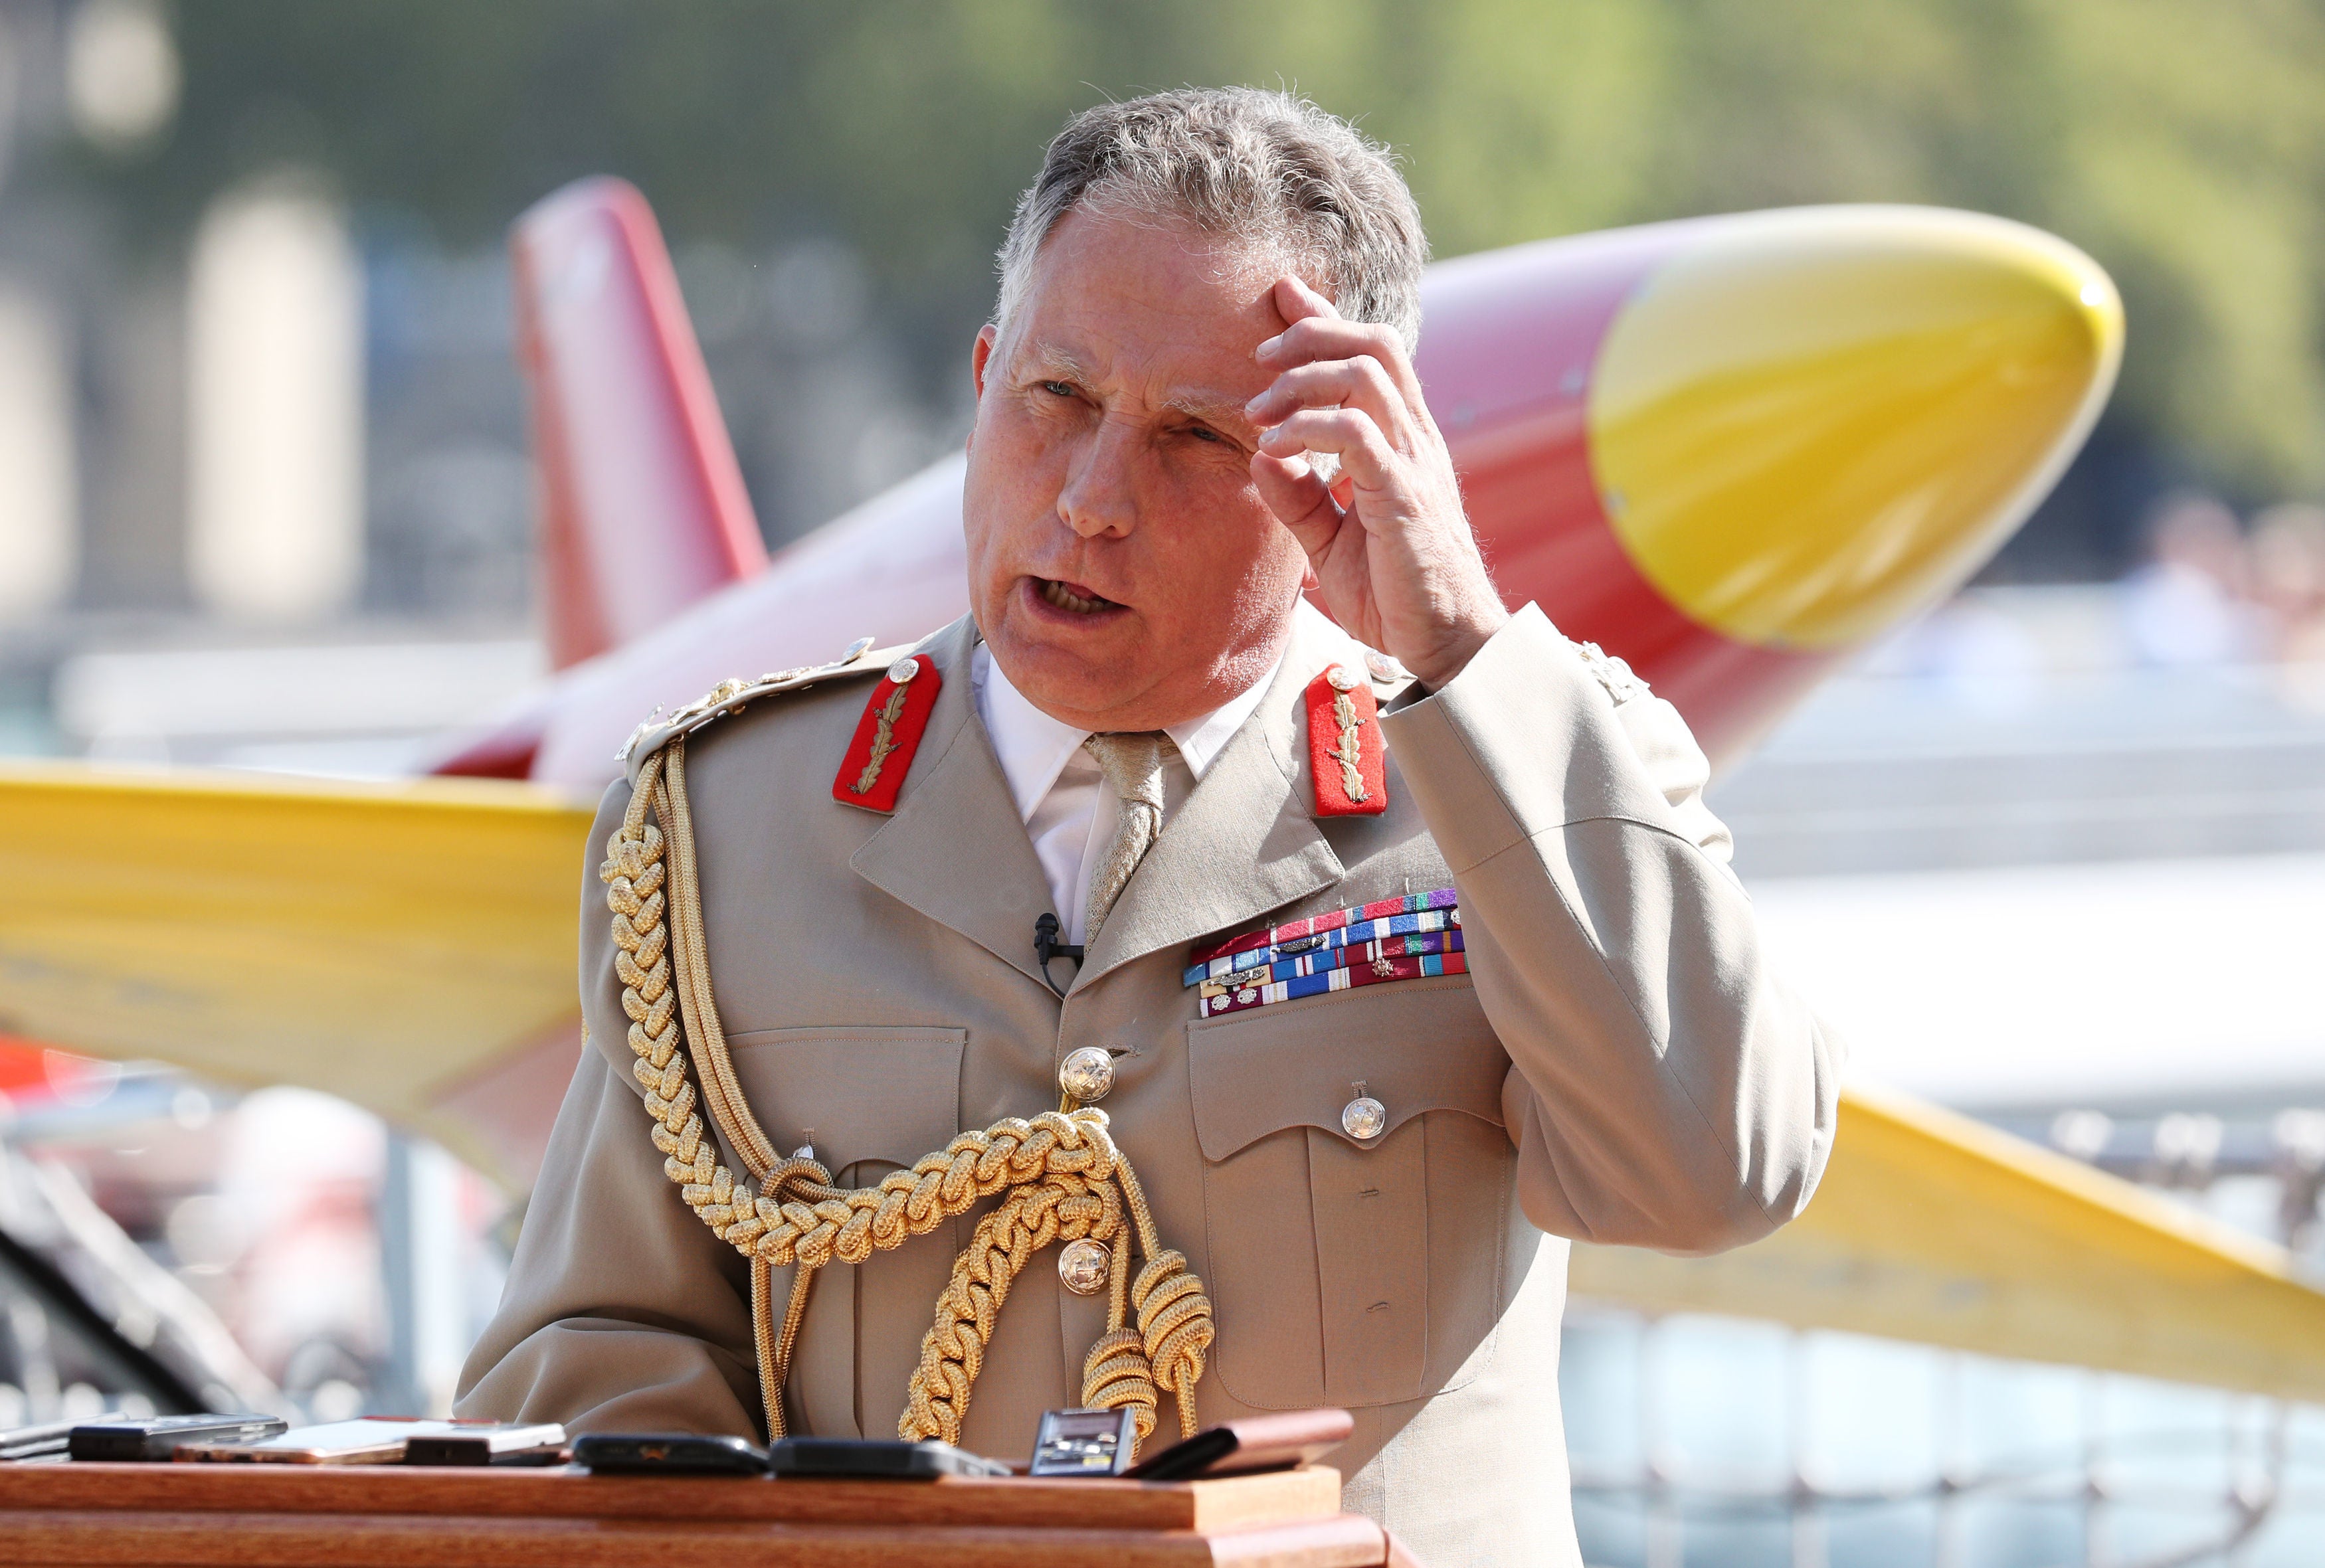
(2056, 856)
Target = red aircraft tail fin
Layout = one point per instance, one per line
(643, 505)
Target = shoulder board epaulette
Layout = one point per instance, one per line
(731, 696)
(881, 752)
(1344, 751)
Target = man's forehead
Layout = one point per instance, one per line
(1122, 294)
(1128, 256)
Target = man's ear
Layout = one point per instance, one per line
(981, 354)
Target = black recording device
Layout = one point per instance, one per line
(1047, 946)
(157, 1437)
(873, 1459)
(1085, 1443)
(667, 1453)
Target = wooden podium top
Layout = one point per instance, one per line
(266, 1516)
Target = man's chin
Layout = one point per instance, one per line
(1086, 669)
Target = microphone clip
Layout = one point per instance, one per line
(1047, 946)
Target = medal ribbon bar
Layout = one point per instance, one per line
(1332, 920)
(1328, 958)
(1261, 993)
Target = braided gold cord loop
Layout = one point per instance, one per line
(1174, 1321)
(1064, 1207)
(1059, 1174)
(1117, 1373)
(722, 1093)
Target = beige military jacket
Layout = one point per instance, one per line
(1619, 1066)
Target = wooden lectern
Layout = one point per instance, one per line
(252, 1515)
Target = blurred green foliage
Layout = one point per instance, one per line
(2182, 141)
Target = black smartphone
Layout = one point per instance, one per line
(874, 1459)
(667, 1453)
(157, 1437)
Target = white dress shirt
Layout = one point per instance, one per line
(1069, 811)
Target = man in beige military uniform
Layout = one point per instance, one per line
(1197, 396)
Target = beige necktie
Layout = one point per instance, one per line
(1133, 764)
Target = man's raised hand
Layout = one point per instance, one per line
(1390, 546)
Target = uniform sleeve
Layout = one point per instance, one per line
(1677, 769)
(623, 1311)
(1667, 1089)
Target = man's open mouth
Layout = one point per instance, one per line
(1074, 597)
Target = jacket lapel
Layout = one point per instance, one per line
(955, 849)
(1244, 843)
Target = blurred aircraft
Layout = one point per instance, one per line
(1731, 449)
(1734, 449)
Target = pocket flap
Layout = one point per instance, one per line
(1415, 1045)
(857, 1093)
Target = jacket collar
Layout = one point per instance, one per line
(956, 850)
(1246, 841)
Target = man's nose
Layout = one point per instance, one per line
(1098, 497)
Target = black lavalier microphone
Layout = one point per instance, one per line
(1047, 946)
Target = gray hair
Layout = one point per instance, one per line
(1263, 168)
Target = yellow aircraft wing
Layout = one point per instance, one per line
(410, 947)
(1931, 1227)
(396, 944)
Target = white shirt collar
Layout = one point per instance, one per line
(1033, 748)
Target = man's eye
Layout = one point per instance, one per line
(1202, 434)
(1058, 389)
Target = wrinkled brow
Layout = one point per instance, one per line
(1050, 361)
(1213, 407)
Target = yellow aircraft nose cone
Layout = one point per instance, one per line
(1825, 419)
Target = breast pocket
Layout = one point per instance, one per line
(871, 1100)
(1349, 1271)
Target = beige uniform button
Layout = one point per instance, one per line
(1087, 1074)
(904, 669)
(1342, 678)
(1081, 1267)
(1363, 1118)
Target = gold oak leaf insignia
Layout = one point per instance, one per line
(883, 740)
(1352, 778)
